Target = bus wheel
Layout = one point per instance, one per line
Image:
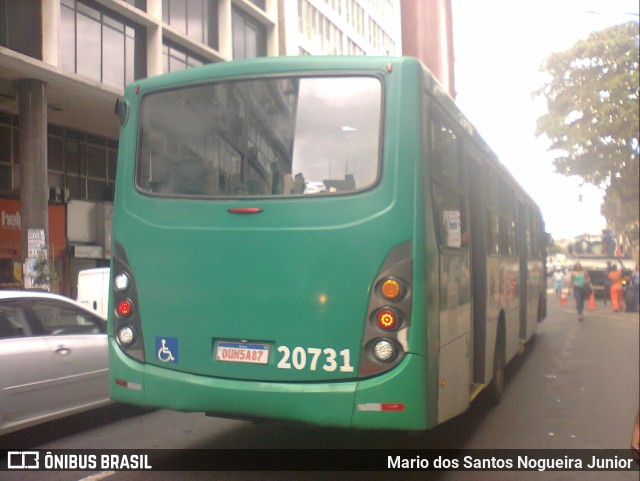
(496, 388)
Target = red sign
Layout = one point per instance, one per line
(10, 229)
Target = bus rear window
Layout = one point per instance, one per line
(260, 138)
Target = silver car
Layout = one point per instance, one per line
(53, 359)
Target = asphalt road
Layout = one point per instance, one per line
(576, 386)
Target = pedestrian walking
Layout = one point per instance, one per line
(617, 300)
(558, 280)
(579, 279)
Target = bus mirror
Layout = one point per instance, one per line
(121, 110)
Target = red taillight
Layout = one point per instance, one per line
(124, 308)
(387, 319)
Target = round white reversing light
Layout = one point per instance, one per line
(383, 350)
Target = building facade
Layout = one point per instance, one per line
(340, 27)
(63, 63)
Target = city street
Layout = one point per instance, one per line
(576, 386)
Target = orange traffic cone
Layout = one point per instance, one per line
(563, 298)
(592, 302)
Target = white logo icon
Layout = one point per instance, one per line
(23, 460)
(164, 354)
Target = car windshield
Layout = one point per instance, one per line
(261, 137)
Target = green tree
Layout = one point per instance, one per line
(592, 119)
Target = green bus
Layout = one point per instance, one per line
(323, 240)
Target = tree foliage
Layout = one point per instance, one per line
(592, 119)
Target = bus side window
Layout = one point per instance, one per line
(448, 186)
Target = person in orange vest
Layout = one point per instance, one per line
(615, 276)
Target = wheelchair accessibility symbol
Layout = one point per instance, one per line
(167, 349)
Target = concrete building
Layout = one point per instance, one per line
(63, 63)
(340, 27)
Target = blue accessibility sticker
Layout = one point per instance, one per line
(167, 349)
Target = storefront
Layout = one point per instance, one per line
(11, 258)
(79, 238)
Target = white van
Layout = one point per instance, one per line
(93, 289)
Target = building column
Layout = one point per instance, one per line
(427, 34)
(154, 39)
(225, 29)
(50, 31)
(34, 191)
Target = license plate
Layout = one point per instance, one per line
(227, 351)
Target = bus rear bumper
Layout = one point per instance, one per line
(390, 401)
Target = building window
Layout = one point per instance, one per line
(20, 27)
(4, 30)
(324, 36)
(249, 37)
(8, 158)
(379, 39)
(139, 4)
(353, 48)
(196, 19)
(355, 16)
(83, 164)
(100, 45)
(89, 166)
(261, 4)
(175, 58)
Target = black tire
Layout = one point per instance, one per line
(495, 391)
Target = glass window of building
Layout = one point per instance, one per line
(355, 16)
(4, 30)
(6, 154)
(83, 164)
(353, 48)
(20, 27)
(324, 36)
(196, 19)
(175, 58)
(261, 4)
(249, 37)
(140, 4)
(99, 44)
(87, 169)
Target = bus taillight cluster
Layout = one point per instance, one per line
(126, 323)
(385, 335)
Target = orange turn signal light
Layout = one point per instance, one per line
(391, 289)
